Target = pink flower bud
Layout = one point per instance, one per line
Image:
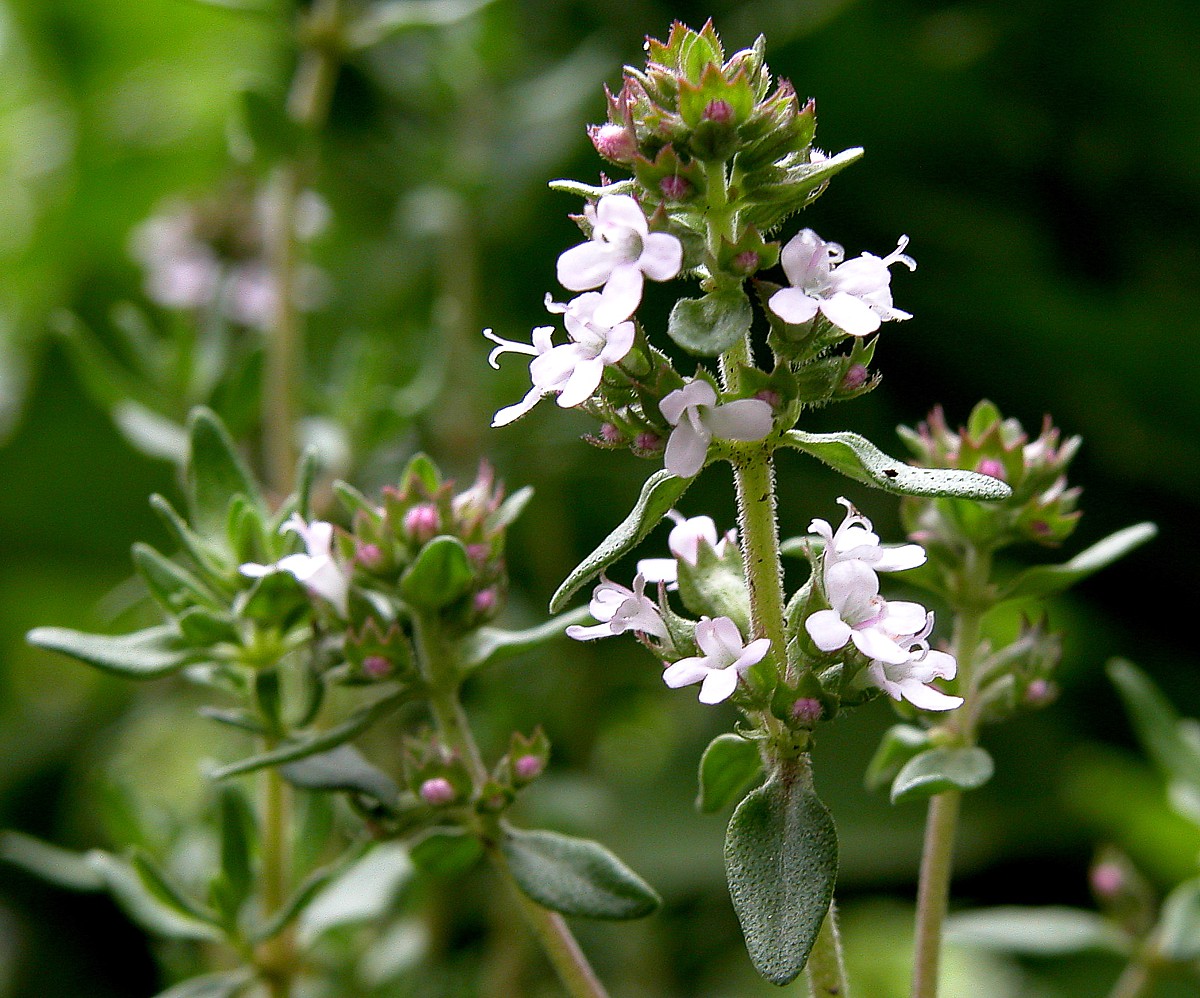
(479, 554)
(854, 378)
(376, 667)
(719, 111)
(611, 434)
(527, 767)
(484, 601)
(675, 188)
(437, 792)
(421, 523)
(613, 142)
(369, 557)
(806, 710)
(991, 467)
(648, 442)
(1039, 693)
(747, 262)
(1107, 879)
(769, 396)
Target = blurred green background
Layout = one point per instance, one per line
(1043, 158)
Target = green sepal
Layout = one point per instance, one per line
(716, 585)
(147, 654)
(939, 769)
(439, 575)
(710, 325)
(1048, 931)
(420, 477)
(339, 734)
(150, 900)
(660, 493)
(446, 852)
(750, 241)
(859, 459)
(1178, 932)
(53, 864)
(667, 163)
(729, 767)
(215, 473)
(575, 876)
(274, 599)
(1047, 580)
(781, 858)
(343, 769)
(227, 984)
(695, 98)
(489, 645)
(899, 744)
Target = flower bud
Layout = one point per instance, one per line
(674, 188)
(991, 467)
(484, 601)
(611, 434)
(807, 710)
(747, 262)
(421, 523)
(1040, 693)
(648, 442)
(437, 792)
(376, 667)
(370, 557)
(854, 378)
(614, 142)
(527, 767)
(1107, 879)
(719, 111)
(769, 396)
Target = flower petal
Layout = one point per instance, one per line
(927, 697)
(878, 646)
(850, 314)
(590, 633)
(685, 672)
(587, 265)
(718, 685)
(686, 450)
(582, 384)
(656, 570)
(621, 296)
(615, 212)
(828, 631)
(900, 558)
(511, 413)
(793, 306)
(902, 617)
(743, 419)
(662, 256)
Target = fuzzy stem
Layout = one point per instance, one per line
(941, 825)
(283, 368)
(826, 968)
(441, 667)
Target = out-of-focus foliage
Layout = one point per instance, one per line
(1041, 157)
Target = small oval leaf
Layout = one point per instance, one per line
(781, 858)
(575, 876)
(858, 458)
(899, 744)
(710, 325)
(440, 574)
(659, 494)
(942, 769)
(343, 768)
(446, 852)
(156, 651)
(729, 767)
(215, 474)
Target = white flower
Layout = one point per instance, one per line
(684, 543)
(620, 255)
(316, 570)
(910, 680)
(723, 662)
(697, 418)
(571, 370)
(855, 539)
(619, 610)
(860, 615)
(855, 295)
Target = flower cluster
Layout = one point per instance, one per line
(891, 634)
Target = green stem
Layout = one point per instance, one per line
(308, 106)
(276, 957)
(826, 967)
(441, 667)
(1136, 980)
(941, 824)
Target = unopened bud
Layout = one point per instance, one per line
(648, 442)
(769, 396)
(613, 142)
(484, 601)
(369, 557)
(1039, 693)
(437, 792)
(479, 554)
(719, 111)
(527, 767)
(991, 467)
(806, 710)
(675, 188)
(376, 667)
(611, 434)
(1107, 880)
(747, 262)
(855, 377)
(421, 523)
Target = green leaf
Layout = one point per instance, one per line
(1158, 727)
(393, 17)
(898, 745)
(224, 985)
(439, 575)
(730, 766)
(171, 585)
(421, 469)
(206, 557)
(1049, 931)
(343, 768)
(941, 769)
(490, 645)
(1046, 580)
(61, 867)
(271, 129)
(150, 432)
(510, 509)
(339, 734)
(710, 325)
(575, 876)
(781, 858)
(215, 474)
(156, 651)
(238, 834)
(661, 492)
(305, 894)
(859, 459)
(1178, 932)
(364, 891)
(447, 852)
(147, 899)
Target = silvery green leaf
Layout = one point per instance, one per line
(1046, 580)
(729, 767)
(62, 867)
(215, 473)
(343, 768)
(899, 744)
(1178, 932)
(1049, 931)
(489, 645)
(859, 459)
(362, 892)
(147, 654)
(940, 769)
(223, 985)
(710, 325)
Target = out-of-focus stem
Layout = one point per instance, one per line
(276, 957)
(1135, 980)
(826, 968)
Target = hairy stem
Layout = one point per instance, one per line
(941, 824)
(826, 968)
(442, 671)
